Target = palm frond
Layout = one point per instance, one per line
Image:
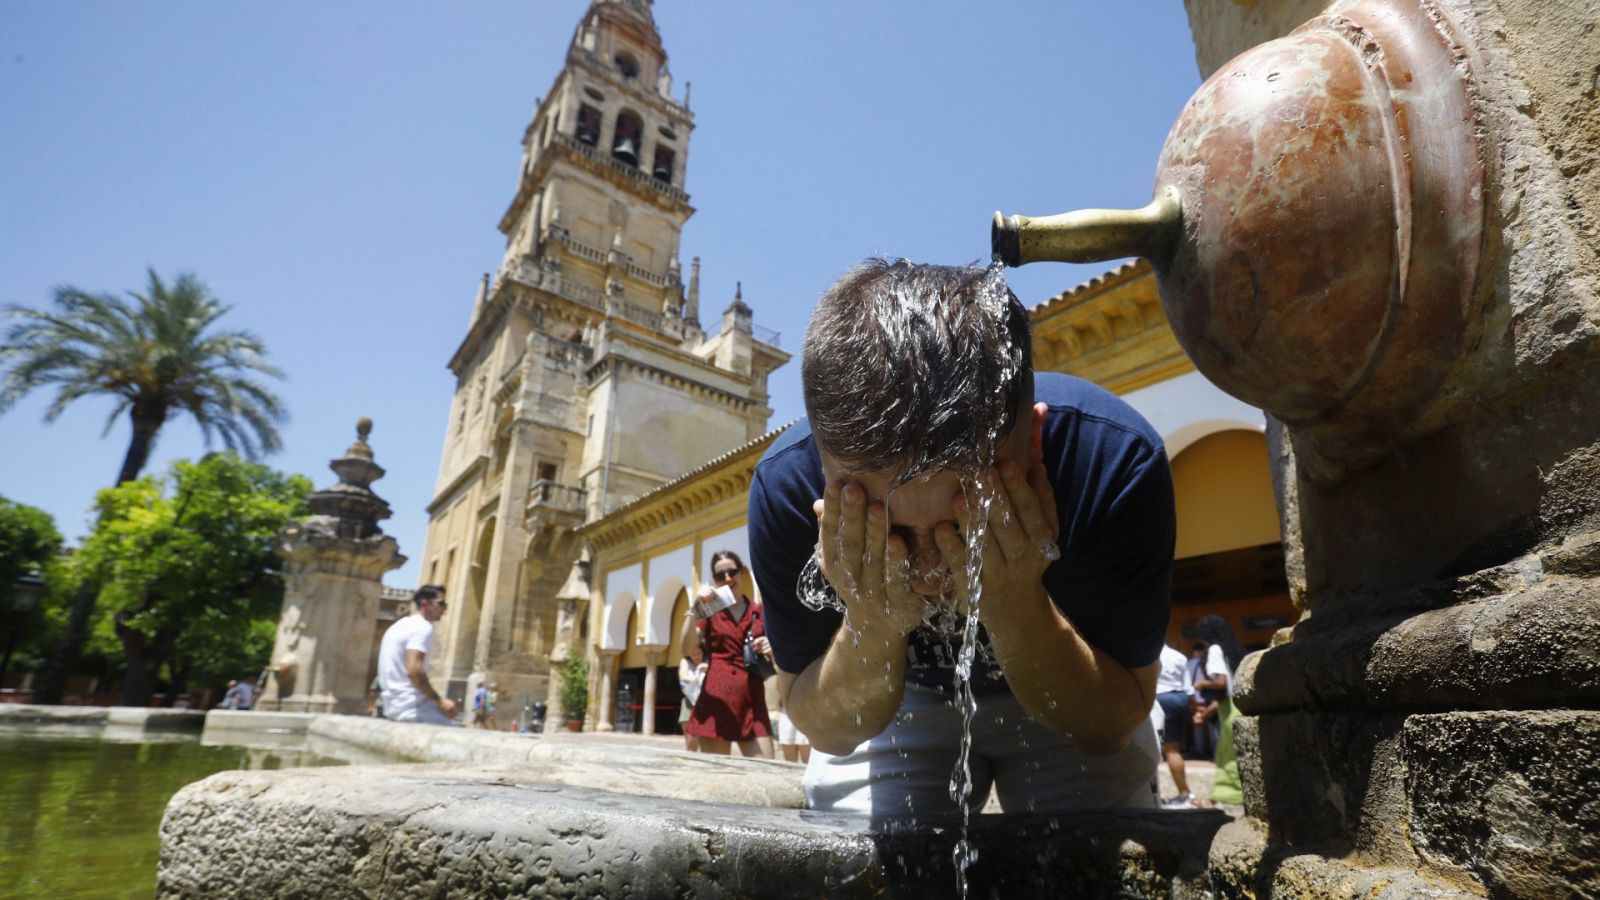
(157, 351)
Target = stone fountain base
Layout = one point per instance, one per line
(442, 830)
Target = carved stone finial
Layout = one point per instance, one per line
(361, 449)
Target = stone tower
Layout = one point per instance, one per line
(334, 562)
(585, 377)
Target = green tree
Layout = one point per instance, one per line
(190, 582)
(155, 353)
(29, 542)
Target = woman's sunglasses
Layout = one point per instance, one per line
(726, 575)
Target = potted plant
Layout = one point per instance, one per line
(574, 690)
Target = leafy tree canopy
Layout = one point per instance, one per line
(156, 354)
(28, 542)
(191, 580)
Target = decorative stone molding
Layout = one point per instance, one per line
(723, 477)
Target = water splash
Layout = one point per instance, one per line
(979, 497)
(978, 414)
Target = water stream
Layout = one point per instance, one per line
(982, 407)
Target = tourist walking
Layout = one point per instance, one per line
(732, 708)
(403, 664)
(1222, 661)
(483, 703)
(1173, 695)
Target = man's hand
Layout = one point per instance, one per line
(1020, 532)
(852, 691)
(1019, 541)
(448, 707)
(855, 546)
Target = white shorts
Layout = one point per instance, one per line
(425, 713)
(787, 733)
(906, 770)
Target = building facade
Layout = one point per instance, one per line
(585, 377)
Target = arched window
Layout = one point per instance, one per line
(626, 143)
(626, 64)
(588, 130)
(662, 168)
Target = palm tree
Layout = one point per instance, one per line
(156, 354)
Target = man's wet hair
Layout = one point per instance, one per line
(427, 592)
(912, 368)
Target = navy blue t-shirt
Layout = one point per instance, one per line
(1113, 490)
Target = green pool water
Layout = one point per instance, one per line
(79, 817)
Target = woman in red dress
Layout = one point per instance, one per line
(732, 708)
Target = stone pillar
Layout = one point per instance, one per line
(608, 699)
(1437, 709)
(652, 660)
(334, 562)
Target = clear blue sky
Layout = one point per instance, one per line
(336, 172)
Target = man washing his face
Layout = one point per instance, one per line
(919, 385)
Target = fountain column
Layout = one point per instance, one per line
(334, 562)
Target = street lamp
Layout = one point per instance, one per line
(25, 594)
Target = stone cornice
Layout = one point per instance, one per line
(632, 180)
(676, 378)
(484, 326)
(725, 476)
(671, 379)
(457, 483)
(1110, 330)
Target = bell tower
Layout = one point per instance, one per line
(585, 378)
(600, 203)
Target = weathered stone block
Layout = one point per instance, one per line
(1245, 865)
(1494, 651)
(432, 831)
(587, 760)
(1511, 798)
(1329, 783)
(219, 721)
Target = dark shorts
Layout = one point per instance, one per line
(1175, 706)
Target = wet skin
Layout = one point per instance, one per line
(868, 528)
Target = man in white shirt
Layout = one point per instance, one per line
(403, 664)
(1173, 692)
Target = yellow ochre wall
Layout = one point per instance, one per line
(1223, 486)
